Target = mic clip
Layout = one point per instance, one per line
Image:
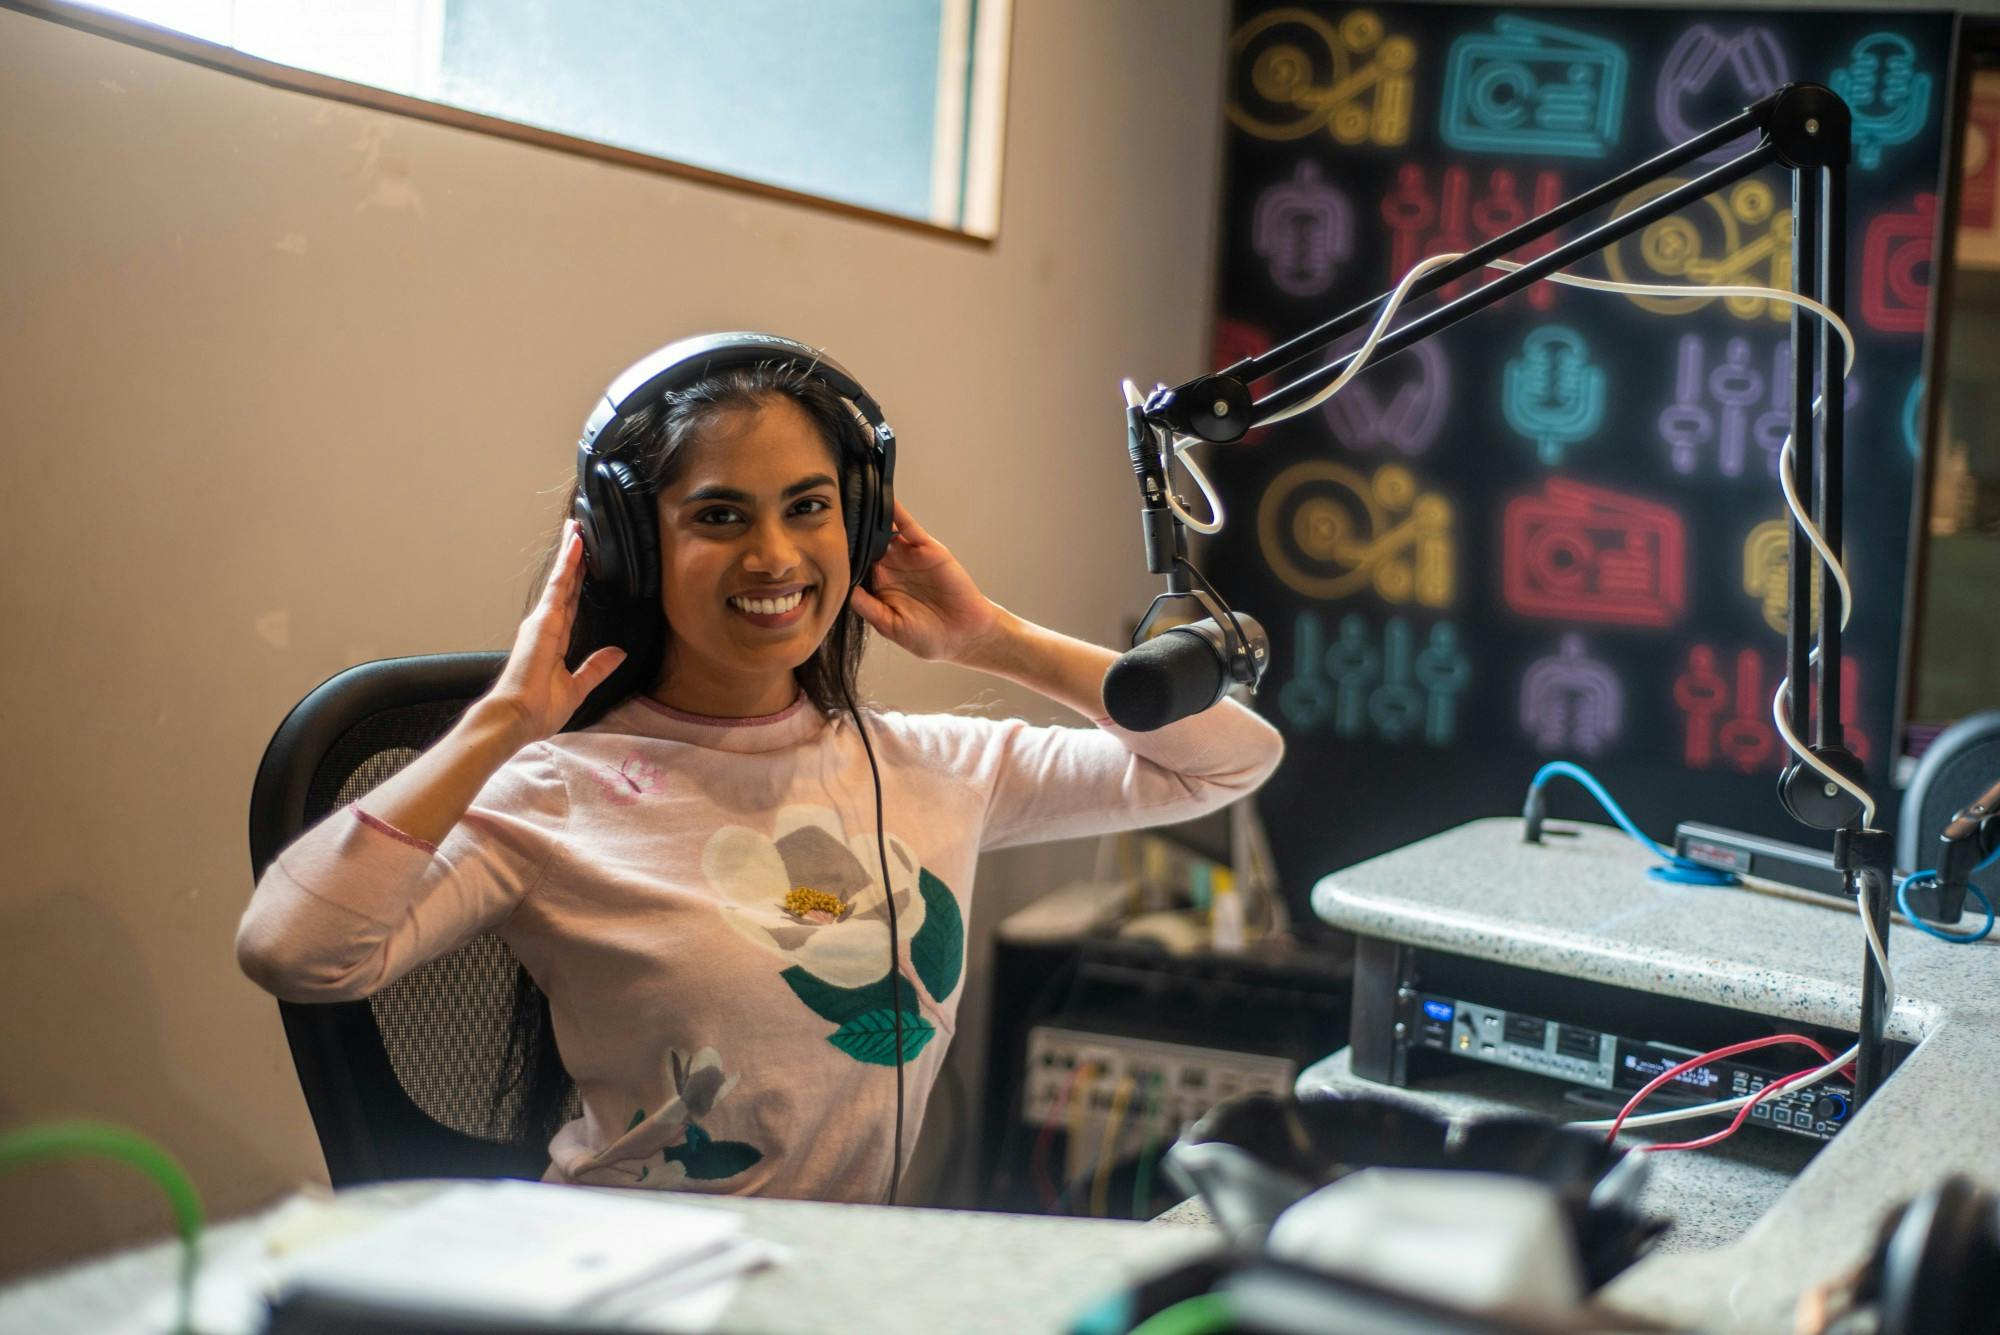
(1246, 658)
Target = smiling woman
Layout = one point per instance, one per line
(745, 574)
(743, 469)
(673, 810)
(892, 108)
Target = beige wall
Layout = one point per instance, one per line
(285, 385)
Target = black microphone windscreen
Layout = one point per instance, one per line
(1169, 677)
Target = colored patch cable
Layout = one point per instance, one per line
(1646, 1091)
(1142, 1173)
(1676, 870)
(1107, 1149)
(1957, 938)
(1776, 1087)
(32, 1144)
(1038, 1158)
(1735, 1123)
(1203, 1314)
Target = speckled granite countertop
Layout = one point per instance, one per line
(1583, 906)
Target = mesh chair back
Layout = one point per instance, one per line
(426, 1077)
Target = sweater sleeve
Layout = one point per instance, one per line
(354, 903)
(1047, 783)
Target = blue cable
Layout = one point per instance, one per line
(1678, 871)
(1957, 938)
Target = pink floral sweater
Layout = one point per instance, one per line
(702, 901)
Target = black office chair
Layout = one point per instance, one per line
(427, 1077)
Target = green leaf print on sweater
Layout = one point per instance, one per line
(670, 1144)
(867, 1015)
(871, 1038)
(938, 948)
(707, 1160)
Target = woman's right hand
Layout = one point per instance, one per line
(536, 692)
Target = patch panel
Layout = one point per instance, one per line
(1185, 1081)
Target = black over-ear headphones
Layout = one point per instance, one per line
(1936, 1268)
(615, 508)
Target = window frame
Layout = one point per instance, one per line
(982, 181)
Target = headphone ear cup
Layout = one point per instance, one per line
(621, 538)
(858, 506)
(1940, 1263)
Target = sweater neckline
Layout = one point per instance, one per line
(764, 732)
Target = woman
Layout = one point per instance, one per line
(679, 836)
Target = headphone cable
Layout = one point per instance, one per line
(895, 950)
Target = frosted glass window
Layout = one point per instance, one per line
(888, 105)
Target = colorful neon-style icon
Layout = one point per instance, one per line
(1896, 268)
(1747, 230)
(1294, 74)
(1422, 224)
(1913, 417)
(1368, 415)
(1724, 720)
(1728, 721)
(1889, 96)
(1553, 393)
(1238, 340)
(1728, 403)
(1767, 571)
(1533, 87)
(1571, 702)
(1749, 63)
(1583, 553)
(1328, 532)
(1304, 229)
(1370, 685)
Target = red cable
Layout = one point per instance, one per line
(1038, 1161)
(1741, 1114)
(1717, 1055)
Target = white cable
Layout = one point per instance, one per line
(1176, 446)
(1879, 951)
(1776, 1087)
(1692, 290)
(1813, 535)
(1213, 524)
(1781, 699)
(1367, 348)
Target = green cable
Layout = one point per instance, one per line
(1142, 1173)
(57, 1139)
(1203, 1314)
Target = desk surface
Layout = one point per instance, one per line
(1582, 906)
(855, 1267)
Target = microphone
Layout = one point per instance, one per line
(1181, 672)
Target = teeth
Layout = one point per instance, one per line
(769, 606)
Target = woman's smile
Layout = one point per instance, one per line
(785, 605)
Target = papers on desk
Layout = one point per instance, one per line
(577, 1257)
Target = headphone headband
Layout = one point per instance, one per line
(693, 359)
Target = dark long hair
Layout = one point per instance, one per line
(653, 441)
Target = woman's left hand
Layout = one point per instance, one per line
(920, 597)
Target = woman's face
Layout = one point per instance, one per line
(753, 551)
